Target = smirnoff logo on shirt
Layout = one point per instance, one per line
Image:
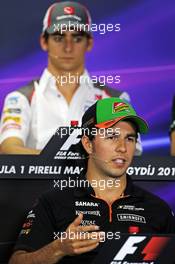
(131, 217)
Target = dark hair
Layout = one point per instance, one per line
(46, 36)
(134, 125)
(88, 132)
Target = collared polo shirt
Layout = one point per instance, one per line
(36, 122)
(137, 210)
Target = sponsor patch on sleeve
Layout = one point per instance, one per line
(13, 100)
(16, 119)
(27, 226)
(12, 111)
(7, 127)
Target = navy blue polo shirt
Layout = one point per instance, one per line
(138, 210)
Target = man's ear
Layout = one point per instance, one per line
(43, 43)
(87, 144)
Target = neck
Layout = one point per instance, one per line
(107, 188)
(67, 82)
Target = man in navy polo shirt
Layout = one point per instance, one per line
(67, 226)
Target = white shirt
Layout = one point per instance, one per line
(35, 123)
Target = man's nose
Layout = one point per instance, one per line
(121, 145)
(68, 45)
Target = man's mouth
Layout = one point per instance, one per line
(67, 58)
(119, 161)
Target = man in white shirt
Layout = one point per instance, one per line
(32, 114)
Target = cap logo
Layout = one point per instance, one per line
(69, 10)
(119, 107)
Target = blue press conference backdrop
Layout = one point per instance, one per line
(142, 53)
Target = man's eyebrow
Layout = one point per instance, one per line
(117, 133)
(112, 133)
(58, 33)
(78, 33)
(131, 135)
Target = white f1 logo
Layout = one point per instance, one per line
(72, 139)
(128, 248)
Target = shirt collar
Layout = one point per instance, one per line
(87, 190)
(48, 79)
(85, 80)
(84, 188)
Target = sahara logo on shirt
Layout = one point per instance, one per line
(82, 203)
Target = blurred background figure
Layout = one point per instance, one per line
(32, 114)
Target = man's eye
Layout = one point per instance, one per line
(131, 139)
(58, 38)
(77, 39)
(112, 137)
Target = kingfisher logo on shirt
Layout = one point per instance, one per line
(96, 213)
(119, 107)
